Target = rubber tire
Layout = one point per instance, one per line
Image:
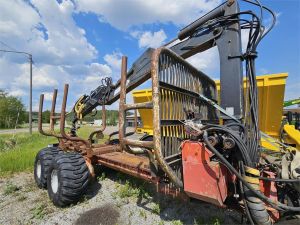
(257, 208)
(73, 178)
(45, 156)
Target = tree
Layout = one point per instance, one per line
(12, 111)
(46, 116)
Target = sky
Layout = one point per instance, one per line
(81, 41)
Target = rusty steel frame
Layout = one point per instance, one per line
(53, 117)
(95, 153)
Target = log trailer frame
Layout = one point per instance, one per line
(189, 152)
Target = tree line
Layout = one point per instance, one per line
(12, 111)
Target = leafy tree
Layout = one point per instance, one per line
(12, 111)
(46, 116)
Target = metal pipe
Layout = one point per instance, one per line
(62, 120)
(142, 105)
(52, 113)
(122, 102)
(156, 119)
(138, 143)
(40, 120)
(30, 96)
(40, 116)
(135, 120)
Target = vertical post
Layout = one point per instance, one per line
(52, 113)
(122, 103)
(30, 97)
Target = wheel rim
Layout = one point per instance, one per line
(54, 181)
(38, 169)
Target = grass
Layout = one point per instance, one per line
(17, 152)
(132, 187)
(156, 208)
(39, 211)
(10, 189)
(21, 156)
(143, 214)
(177, 222)
(208, 221)
(127, 190)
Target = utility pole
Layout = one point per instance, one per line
(30, 97)
(30, 94)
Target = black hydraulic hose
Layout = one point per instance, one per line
(280, 180)
(276, 205)
(272, 14)
(239, 142)
(245, 202)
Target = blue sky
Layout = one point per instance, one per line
(78, 42)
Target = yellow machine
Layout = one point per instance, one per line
(271, 97)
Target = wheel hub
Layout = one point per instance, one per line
(54, 181)
(38, 169)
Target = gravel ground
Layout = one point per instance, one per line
(113, 198)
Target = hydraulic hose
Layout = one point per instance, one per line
(276, 205)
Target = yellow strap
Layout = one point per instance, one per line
(251, 180)
(252, 171)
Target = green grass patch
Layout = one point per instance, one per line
(39, 212)
(20, 156)
(132, 187)
(17, 152)
(10, 189)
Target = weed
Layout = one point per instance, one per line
(10, 189)
(156, 209)
(22, 198)
(143, 214)
(131, 188)
(177, 222)
(39, 211)
(215, 221)
(102, 177)
(161, 223)
(84, 199)
(127, 190)
(210, 220)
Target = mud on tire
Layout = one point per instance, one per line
(68, 178)
(42, 163)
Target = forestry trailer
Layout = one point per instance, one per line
(198, 148)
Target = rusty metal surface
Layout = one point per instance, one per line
(175, 84)
(128, 163)
(85, 143)
(142, 105)
(52, 113)
(122, 102)
(51, 131)
(123, 107)
(135, 120)
(156, 120)
(138, 143)
(105, 149)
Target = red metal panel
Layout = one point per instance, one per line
(203, 179)
(268, 188)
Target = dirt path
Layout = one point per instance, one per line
(112, 199)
